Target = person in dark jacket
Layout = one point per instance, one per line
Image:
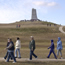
(11, 51)
(7, 51)
(32, 48)
(51, 49)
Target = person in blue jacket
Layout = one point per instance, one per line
(51, 49)
(59, 47)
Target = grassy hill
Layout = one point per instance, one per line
(41, 32)
(37, 29)
(27, 24)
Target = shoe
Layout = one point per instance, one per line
(61, 58)
(6, 61)
(11, 59)
(36, 57)
(15, 57)
(29, 59)
(47, 57)
(14, 62)
(4, 58)
(56, 58)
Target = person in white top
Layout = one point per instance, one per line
(17, 48)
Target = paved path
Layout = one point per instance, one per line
(61, 29)
(35, 60)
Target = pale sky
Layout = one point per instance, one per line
(47, 10)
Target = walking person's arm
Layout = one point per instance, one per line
(9, 46)
(50, 46)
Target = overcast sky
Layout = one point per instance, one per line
(47, 10)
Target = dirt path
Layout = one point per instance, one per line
(34, 60)
(61, 29)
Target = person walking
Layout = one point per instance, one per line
(59, 47)
(10, 51)
(32, 47)
(51, 49)
(7, 50)
(17, 48)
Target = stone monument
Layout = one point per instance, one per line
(34, 15)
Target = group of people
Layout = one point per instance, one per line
(18, 26)
(11, 47)
(59, 48)
(10, 50)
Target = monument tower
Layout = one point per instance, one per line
(34, 15)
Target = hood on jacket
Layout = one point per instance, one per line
(51, 40)
(59, 38)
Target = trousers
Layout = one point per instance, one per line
(52, 51)
(11, 54)
(6, 55)
(59, 51)
(19, 55)
(32, 53)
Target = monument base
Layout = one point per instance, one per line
(35, 20)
